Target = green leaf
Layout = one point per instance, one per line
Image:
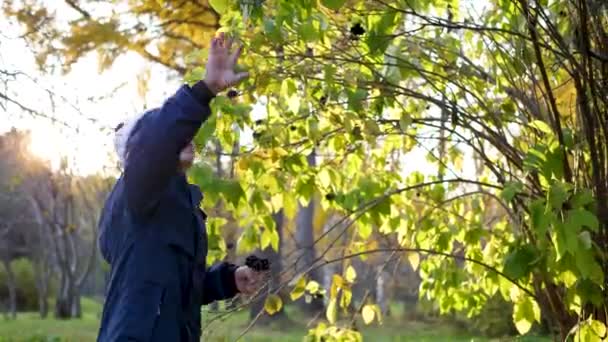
(350, 274)
(274, 240)
(265, 239)
(307, 31)
(368, 313)
(233, 192)
(333, 4)
(365, 230)
(582, 198)
(557, 195)
(540, 219)
(355, 99)
(298, 289)
(535, 158)
(554, 165)
(405, 121)
(588, 266)
(585, 238)
(541, 126)
(598, 328)
(332, 311)
(220, 6)
(520, 262)
(273, 304)
(510, 190)
(379, 36)
(305, 189)
(525, 312)
(271, 30)
(582, 217)
(589, 291)
(590, 331)
(206, 132)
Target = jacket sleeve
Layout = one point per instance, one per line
(154, 147)
(219, 283)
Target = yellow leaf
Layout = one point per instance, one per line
(324, 178)
(350, 275)
(368, 313)
(298, 289)
(290, 205)
(277, 201)
(332, 311)
(346, 297)
(312, 287)
(336, 284)
(414, 259)
(242, 164)
(378, 313)
(273, 304)
(220, 6)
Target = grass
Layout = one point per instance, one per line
(28, 327)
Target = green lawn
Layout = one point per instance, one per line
(29, 327)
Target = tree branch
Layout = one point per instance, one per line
(80, 10)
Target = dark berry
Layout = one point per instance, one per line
(357, 132)
(232, 93)
(357, 30)
(292, 128)
(257, 264)
(259, 122)
(330, 196)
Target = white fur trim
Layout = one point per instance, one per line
(121, 137)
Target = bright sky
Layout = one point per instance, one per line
(84, 93)
(78, 96)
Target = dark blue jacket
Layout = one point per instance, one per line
(152, 233)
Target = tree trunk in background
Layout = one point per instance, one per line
(42, 286)
(334, 268)
(305, 244)
(274, 279)
(63, 302)
(381, 292)
(41, 260)
(12, 288)
(76, 304)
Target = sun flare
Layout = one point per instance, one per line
(83, 151)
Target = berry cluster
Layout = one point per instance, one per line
(257, 264)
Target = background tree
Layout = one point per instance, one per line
(18, 231)
(163, 32)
